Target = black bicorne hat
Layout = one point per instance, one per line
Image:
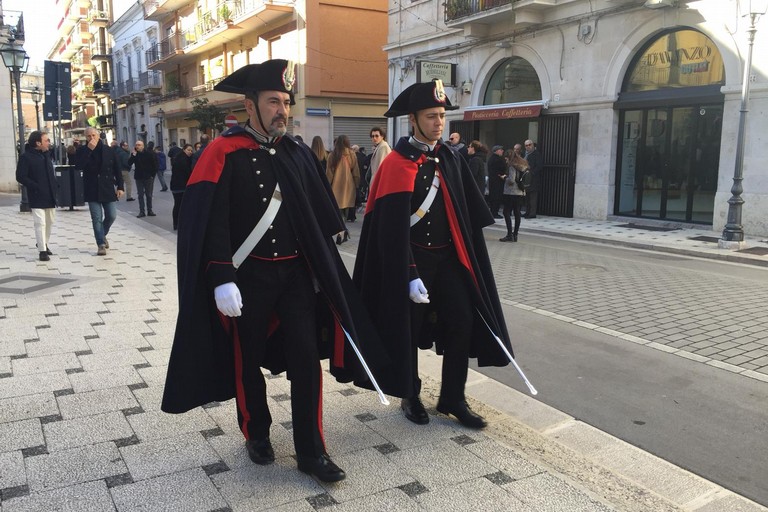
(418, 97)
(271, 75)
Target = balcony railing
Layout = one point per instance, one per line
(162, 50)
(132, 86)
(169, 96)
(100, 51)
(455, 9)
(101, 87)
(121, 89)
(150, 80)
(206, 87)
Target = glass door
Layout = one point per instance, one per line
(669, 160)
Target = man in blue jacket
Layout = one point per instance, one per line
(101, 174)
(35, 171)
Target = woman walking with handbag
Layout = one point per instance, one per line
(513, 196)
(344, 176)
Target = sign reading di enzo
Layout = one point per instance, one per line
(493, 114)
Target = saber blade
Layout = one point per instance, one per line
(511, 359)
(382, 396)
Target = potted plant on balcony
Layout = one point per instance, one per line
(225, 14)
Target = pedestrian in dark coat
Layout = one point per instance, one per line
(145, 167)
(102, 185)
(35, 171)
(477, 154)
(436, 257)
(162, 165)
(250, 178)
(536, 164)
(497, 173)
(181, 170)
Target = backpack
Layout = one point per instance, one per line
(523, 179)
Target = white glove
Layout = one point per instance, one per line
(417, 292)
(228, 299)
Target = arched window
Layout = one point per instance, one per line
(514, 81)
(682, 58)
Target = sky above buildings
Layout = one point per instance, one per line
(40, 20)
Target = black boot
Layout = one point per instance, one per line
(507, 238)
(414, 410)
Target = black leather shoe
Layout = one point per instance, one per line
(322, 467)
(141, 214)
(514, 237)
(414, 410)
(151, 214)
(44, 256)
(260, 451)
(507, 238)
(464, 414)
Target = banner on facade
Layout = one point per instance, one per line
(493, 114)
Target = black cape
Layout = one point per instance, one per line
(381, 269)
(201, 366)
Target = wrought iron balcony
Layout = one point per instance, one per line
(456, 9)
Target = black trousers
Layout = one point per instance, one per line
(532, 203)
(512, 204)
(447, 284)
(284, 288)
(177, 197)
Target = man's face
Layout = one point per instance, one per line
(454, 139)
(518, 149)
(139, 146)
(274, 107)
(529, 146)
(431, 122)
(92, 138)
(45, 143)
(376, 137)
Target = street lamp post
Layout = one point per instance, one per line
(733, 233)
(37, 96)
(17, 60)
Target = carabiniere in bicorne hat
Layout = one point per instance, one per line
(419, 97)
(270, 75)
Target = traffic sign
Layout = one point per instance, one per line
(230, 121)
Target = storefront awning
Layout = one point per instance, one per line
(504, 111)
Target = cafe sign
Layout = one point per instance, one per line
(427, 71)
(493, 114)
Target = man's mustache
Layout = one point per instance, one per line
(280, 118)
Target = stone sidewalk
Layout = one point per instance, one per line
(84, 341)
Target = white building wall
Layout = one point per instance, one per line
(584, 74)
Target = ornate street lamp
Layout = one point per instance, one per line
(17, 61)
(37, 96)
(733, 233)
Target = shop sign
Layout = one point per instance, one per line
(428, 71)
(493, 114)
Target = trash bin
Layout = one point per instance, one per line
(70, 181)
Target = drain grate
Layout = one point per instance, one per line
(711, 239)
(646, 228)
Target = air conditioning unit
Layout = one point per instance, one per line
(658, 4)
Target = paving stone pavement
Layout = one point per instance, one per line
(84, 341)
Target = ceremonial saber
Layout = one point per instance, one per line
(382, 397)
(511, 359)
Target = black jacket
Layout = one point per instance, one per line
(145, 164)
(101, 173)
(35, 171)
(201, 367)
(478, 170)
(181, 170)
(497, 166)
(536, 163)
(382, 271)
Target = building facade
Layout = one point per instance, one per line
(83, 41)
(342, 85)
(135, 86)
(634, 104)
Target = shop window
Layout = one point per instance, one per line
(683, 58)
(514, 81)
